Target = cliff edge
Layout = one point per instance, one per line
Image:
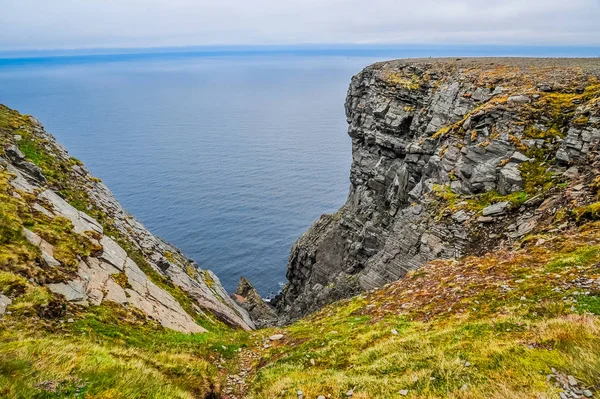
(450, 157)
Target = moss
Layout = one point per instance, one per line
(170, 256)
(411, 82)
(581, 120)
(532, 132)
(12, 284)
(121, 279)
(588, 212)
(210, 283)
(589, 304)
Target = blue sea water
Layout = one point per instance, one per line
(228, 155)
(229, 158)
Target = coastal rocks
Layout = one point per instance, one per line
(109, 273)
(422, 156)
(17, 158)
(248, 298)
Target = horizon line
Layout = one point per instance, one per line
(301, 47)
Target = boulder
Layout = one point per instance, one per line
(496, 209)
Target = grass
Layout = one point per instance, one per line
(109, 352)
(481, 327)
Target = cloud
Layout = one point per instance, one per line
(42, 24)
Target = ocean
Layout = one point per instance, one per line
(229, 158)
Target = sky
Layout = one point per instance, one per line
(76, 24)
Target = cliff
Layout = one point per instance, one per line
(62, 229)
(449, 158)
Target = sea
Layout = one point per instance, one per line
(230, 155)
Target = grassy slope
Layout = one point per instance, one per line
(488, 327)
(512, 315)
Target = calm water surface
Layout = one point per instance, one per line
(228, 158)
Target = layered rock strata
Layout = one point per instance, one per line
(449, 158)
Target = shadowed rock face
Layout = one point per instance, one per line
(432, 142)
(248, 298)
(110, 273)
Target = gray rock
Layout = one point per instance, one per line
(510, 180)
(403, 392)
(276, 337)
(401, 158)
(518, 157)
(572, 172)
(113, 253)
(81, 221)
(563, 156)
(461, 216)
(72, 291)
(14, 154)
(572, 380)
(4, 303)
(496, 209)
(587, 393)
(520, 99)
(248, 298)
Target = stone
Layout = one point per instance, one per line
(572, 172)
(81, 221)
(587, 393)
(518, 157)
(403, 392)
(113, 253)
(5, 302)
(485, 219)
(14, 154)
(572, 380)
(19, 182)
(72, 291)
(276, 337)
(394, 331)
(496, 209)
(461, 216)
(70, 320)
(42, 210)
(510, 180)
(519, 99)
(563, 156)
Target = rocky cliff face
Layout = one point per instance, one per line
(63, 229)
(450, 157)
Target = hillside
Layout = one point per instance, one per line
(464, 265)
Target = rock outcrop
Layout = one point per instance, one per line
(248, 298)
(122, 262)
(449, 158)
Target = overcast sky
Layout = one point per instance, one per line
(62, 24)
